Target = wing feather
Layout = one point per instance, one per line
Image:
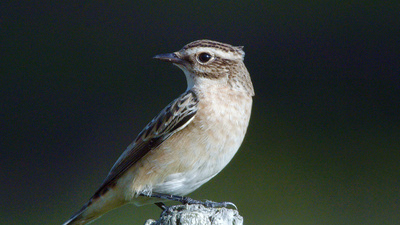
(176, 116)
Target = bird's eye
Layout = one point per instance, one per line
(204, 57)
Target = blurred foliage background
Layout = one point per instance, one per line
(78, 83)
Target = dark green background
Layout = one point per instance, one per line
(78, 83)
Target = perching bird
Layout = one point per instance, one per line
(189, 141)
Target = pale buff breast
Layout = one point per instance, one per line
(192, 156)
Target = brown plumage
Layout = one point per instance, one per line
(189, 141)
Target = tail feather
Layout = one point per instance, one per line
(79, 218)
(96, 207)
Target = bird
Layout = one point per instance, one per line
(190, 141)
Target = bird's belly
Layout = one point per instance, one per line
(193, 170)
(193, 155)
(200, 158)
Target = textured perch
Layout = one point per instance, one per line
(197, 215)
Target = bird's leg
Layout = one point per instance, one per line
(161, 205)
(189, 201)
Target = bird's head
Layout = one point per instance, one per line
(211, 60)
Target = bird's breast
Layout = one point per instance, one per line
(195, 154)
(202, 149)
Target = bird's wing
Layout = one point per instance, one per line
(173, 118)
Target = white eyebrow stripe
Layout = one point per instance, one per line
(216, 52)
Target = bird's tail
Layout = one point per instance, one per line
(95, 208)
(83, 216)
(79, 217)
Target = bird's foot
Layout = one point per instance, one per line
(161, 205)
(190, 201)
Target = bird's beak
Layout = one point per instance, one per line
(170, 57)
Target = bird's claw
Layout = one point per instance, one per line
(190, 201)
